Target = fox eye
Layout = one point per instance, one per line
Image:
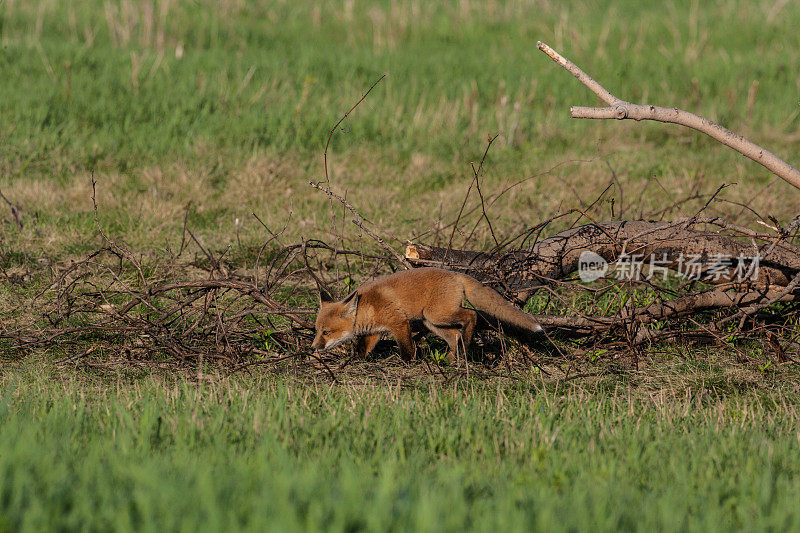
(326, 332)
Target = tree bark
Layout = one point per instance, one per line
(518, 272)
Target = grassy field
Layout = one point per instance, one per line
(227, 105)
(214, 453)
(212, 111)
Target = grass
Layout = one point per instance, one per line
(156, 453)
(227, 105)
(211, 111)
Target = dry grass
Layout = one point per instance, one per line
(404, 198)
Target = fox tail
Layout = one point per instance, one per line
(489, 301)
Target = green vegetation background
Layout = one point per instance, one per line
(227, 105)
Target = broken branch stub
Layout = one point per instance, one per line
(621, 109)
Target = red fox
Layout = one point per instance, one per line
(389, 304)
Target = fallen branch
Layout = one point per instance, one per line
(778, 296)
(663, 310)
(519, 272)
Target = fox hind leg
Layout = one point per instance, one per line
(470, 319)
(455, 328)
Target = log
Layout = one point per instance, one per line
(518, 273)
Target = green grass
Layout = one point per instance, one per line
(228, 105)
(274, 74)
(247, 453)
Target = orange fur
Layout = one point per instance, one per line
(431, 295)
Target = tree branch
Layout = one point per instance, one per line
(620, 109)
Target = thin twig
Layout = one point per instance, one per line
(15, 210)
(361, 223)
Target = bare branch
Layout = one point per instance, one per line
(620, 109)
(15, 209)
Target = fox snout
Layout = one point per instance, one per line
(319, 343)
(326, 340)
(335, 324)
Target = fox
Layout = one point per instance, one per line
(391, 303)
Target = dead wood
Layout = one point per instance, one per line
(620, 109)
(747, 270)
(517, 272)
(663, 310)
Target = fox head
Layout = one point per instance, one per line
(335, 321)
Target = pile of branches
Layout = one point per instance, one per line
(117, 307)
(732, 277)
(699, 279)
(136, 307)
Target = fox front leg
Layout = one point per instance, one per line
(408, 350)
(366, 343)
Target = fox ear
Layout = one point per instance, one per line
(350, 304)
(324, 296)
